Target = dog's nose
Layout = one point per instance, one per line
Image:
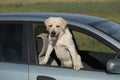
(53, 32)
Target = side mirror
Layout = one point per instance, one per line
(113, 66)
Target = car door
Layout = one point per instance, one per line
(13, 51)
(53, 72)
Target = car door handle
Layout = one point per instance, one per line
(45, 78)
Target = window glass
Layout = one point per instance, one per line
(11, 42)
(85, 42)
(110, 28)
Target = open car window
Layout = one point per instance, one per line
(94, 54)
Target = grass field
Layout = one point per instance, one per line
(109, 9)
(32, 1)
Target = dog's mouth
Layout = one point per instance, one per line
(53, 38)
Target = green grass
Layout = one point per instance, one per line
(108, 10)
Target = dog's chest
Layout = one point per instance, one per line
(62, 53)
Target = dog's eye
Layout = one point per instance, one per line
(57, 26)
(50, 25)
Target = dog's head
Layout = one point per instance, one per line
(55, 25)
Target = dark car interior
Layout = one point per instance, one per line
(95, 60)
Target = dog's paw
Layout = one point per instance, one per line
(77, 67)
(43, 62)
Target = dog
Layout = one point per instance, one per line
(60, 39)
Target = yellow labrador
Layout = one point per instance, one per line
(60, 39)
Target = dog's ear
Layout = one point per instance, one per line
(46, 22)
(64, 23)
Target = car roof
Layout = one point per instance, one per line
(41, 16)
(38, 16)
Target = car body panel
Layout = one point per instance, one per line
(42, 16)
(69, 74)
(13, 71)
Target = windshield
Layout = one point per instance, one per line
(110, 28)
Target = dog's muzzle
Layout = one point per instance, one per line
(53, 33)
(53, 36)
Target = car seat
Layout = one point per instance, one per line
(42, 44)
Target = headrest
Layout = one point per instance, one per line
(42, 44)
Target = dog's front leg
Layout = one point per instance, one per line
(75, 58)
(47, 55)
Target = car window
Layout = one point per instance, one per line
(83, 41)
(11, 42)
(88, 43)
(94, 54)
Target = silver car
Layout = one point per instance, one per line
(97, 41)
